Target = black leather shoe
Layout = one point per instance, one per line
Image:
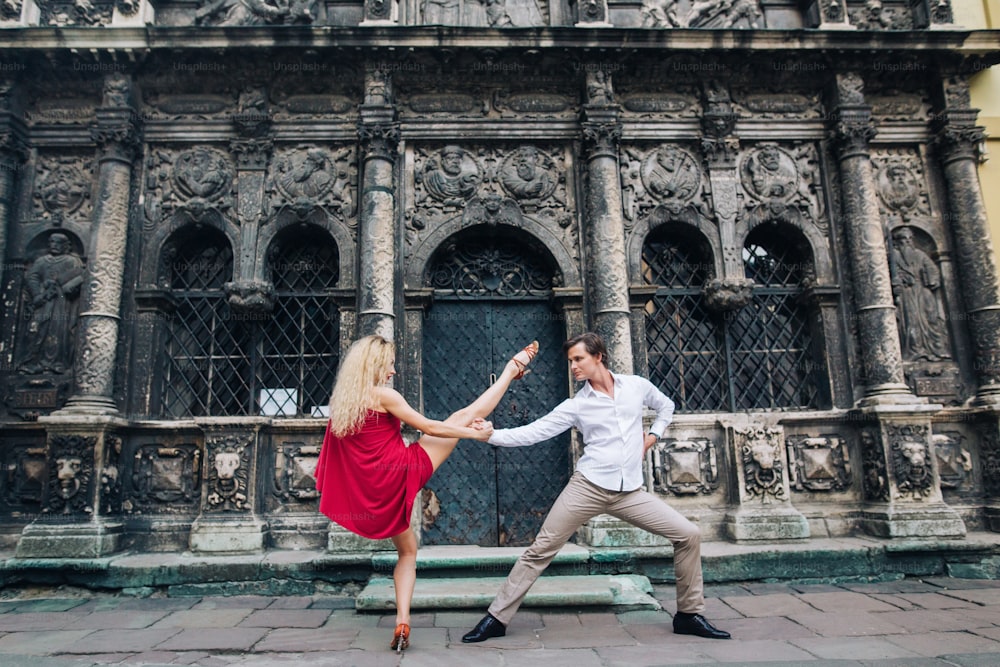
(695, 624)
(487, 628)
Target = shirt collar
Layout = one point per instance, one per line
(588, 390)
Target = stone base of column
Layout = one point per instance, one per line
(88, 405)
(299, 531)
(245, 534)
(93, 539)
(780, 523)
(607, 531)
(340, 540)
(890, 395)
(938, 521)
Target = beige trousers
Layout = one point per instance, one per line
(579, 502)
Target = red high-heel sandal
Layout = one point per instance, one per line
(400, 638)
(531, 349)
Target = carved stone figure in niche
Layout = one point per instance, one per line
(53, 284)
(255, 12)
(915, 280)
(201, 173)
(772, 174)
(527, 174)
(63, 190)
(671, 174)
(599, 91)
(898, 187)
(452, 176)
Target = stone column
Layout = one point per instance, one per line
(379, 136)
(13, 152)
(881, 357)
(604, 225)
(116, 133)
(958, 144)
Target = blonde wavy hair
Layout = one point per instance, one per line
(365, 367)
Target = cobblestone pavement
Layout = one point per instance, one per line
(912, 622)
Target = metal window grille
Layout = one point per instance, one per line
(222, 363)
(758, 357)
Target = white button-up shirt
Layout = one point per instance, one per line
(611, 428)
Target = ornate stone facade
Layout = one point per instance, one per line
(782, 228)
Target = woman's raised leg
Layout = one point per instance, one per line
(439, 449)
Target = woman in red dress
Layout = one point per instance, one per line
(368, 477)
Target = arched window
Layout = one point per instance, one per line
(771, 346)
(206, 368)
(300, 342)
(757, 357)
(683, 341)
(224, 363)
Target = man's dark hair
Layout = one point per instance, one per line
(593, 343)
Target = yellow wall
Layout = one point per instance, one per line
(986, 98)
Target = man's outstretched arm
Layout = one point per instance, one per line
(543, 428)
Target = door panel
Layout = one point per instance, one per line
(488, 495)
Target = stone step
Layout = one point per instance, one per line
(624, 592)
(481, 561)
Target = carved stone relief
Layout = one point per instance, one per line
(916, 283)
(295, 472)
(255, 12)
(76, 12)
(701, 14)
(62, 189)
(25, 477)
(164, 479)
(195, 184)
(898, 107)
(876, 476)
(759, 449)
(228, 472)
(492, 13)
(880, 14)
(954, 460)
(491, 186)
(308, 179)
(902, 188)
(70, 475)
(777, 104)
(781, 186)
(684, 467)
(666, 182)
(111, 476)
(10, 10)
(819, 463)
(910, 460)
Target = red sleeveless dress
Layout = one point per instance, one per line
(369, 480)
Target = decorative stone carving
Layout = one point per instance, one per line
(898, 188)
(954, 460)
(62, 189)
(70, 476)
(989, 456)
(451, 176)
(228, 472)
(255, 12)
(306, 179)
(250, 296)
(492, 13)
(10, 10)
(196, 184)
(818, 463)
(727, 294)
(527, 174)
(760, 456)
(202, 174)
(111, 476)
(879, 15)
(684, 467)
(52, 284)
(702, 14)
(781, 186)
(76, 12)
(910, 460)
(295, 472)
(25, 477)
(164, 478)
(916, 282)
(876, 477)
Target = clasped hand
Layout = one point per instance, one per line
(484, 427)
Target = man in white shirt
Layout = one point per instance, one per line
(607, 411)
